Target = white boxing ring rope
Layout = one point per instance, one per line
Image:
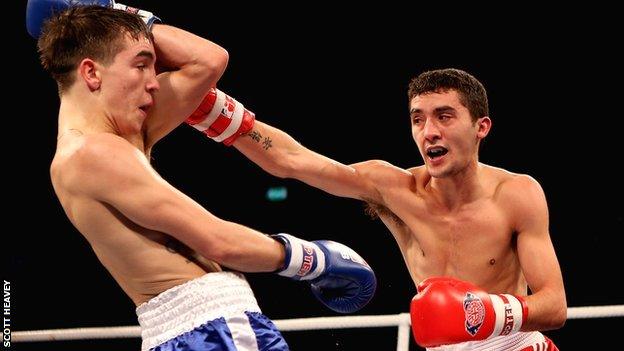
(401, 320)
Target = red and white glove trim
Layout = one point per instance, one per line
(511, 312)
(215, 111)
(236, 116)
(221, 117)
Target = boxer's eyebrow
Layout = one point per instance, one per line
(443, 109)
(147, 54)
(437, 110)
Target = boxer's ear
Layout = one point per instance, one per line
(89, 71)
(484, 125)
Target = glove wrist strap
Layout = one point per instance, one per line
(146, 16)
(511, 312)
(304, 259)
(222, 118)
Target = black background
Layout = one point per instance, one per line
(336, 79)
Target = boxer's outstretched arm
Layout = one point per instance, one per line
(547, 302)
(110, 170)
(226, 120)
(281, 155)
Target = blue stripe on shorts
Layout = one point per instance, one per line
(216, 336)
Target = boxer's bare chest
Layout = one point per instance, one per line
(473, 241)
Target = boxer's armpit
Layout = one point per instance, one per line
(375, 211)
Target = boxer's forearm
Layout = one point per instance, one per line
(548, 310)
(179, 50)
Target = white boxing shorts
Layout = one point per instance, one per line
(521, 341)
(217, 311)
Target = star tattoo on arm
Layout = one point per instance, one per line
(255, 136)
(266, 143)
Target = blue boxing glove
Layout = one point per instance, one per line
(38, 11)
(339, 277)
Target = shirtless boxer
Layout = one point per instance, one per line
(164, 249)
(474, 237)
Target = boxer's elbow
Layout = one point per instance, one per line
(555, 317)
(218, 61)
(560, 315)
(208, 66)
(560, 310)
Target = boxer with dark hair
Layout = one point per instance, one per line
(165, 250)
(475, 237)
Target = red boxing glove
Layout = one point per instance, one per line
(221, 117)
(450, 311)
